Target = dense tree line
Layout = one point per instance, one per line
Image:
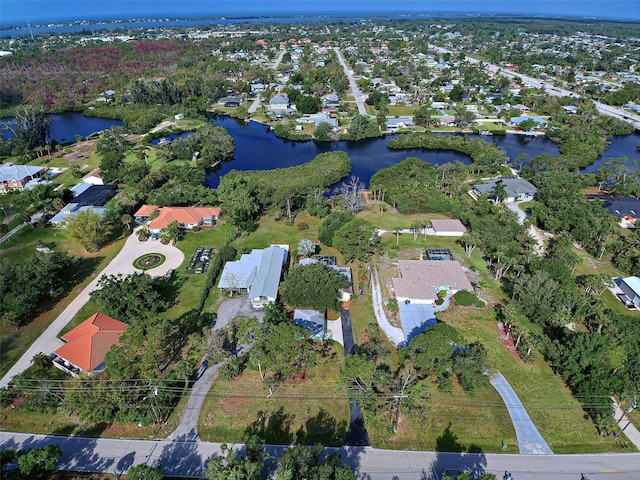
(486, 156)
(27, 285)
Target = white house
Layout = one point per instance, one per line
(448, 227)
(257, 273)
(631, 288)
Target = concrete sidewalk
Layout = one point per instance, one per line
(629, 428)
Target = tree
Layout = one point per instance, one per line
(172, 232)
(129, 298)
(308, 104)
(324, 132)
(332, 224)
(88, 228)
(356, 240)
(29, 130)
(313, 286)
(145, 472)
(127, 220)
(302, 462)
(499, 192)
(231, 466)
(351, 193)
(422, 116)
(32, 462)
(239, 200)
(316, 203)
(306, 248)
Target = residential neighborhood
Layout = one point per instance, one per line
(308, 242)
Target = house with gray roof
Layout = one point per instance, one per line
(517, 189)
(419, 281)
(279, 103)
(15, 177)
(257, 273)
(448, 227)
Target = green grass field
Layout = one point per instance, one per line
(301, 411)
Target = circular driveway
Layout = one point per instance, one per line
(121, 264)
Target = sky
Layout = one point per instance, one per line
(17, 12)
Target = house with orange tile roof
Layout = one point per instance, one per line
(87, 344)
(187, 217)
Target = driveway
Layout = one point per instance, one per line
(122, 263)
(530, 442)
(187, 430)
(395, 334)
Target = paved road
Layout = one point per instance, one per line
(255, 105)
(530, 442)
(276, 64)
(187, 430)
(395, 334)
(182, 459)
(552, 90)
(357, 95)
(122, 263)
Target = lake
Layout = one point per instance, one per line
(259, 149)
(64, 126)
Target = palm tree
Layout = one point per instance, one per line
(171, 233)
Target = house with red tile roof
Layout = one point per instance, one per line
(87, 344)
(187, 217)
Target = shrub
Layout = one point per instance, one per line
(231, 368)
(303, 226)
(466, 299)
(393, 304)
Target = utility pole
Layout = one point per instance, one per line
(400, 398)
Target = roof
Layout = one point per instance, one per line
(420, 278)
(622, 206)
(310, 319)
(9, 171)
(88, 343)
(538, 120)
(240, 273)
(448, 225)
(96, 195)
(269, 271)
(79, 188)
(513, 186)
(633, 283)
(279, 99)
(182, 215)
(72, 209)
(145, 210)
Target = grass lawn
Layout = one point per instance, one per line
(277, 231)
(388, 220)
(556, 413)
(15, 342)
(455, 422)
(305, 411)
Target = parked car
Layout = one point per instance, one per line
(154, 236)
(168, 275)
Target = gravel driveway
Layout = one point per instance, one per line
(122, 263)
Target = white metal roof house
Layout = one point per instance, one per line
(257, 273)
(631, 288)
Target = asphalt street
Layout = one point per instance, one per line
(182, 458)
(357, 95)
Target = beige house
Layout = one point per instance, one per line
(419, 281)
